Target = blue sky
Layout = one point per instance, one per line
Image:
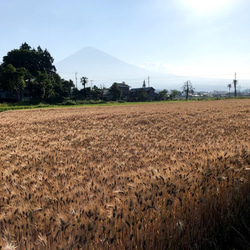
(185, 37)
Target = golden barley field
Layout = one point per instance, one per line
(146, 176)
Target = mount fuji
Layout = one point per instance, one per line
(101, 68)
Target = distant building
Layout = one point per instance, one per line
(125, 93)
(124, 90)
(245, 92)
(7, 96)
(106, 94)
(136, 94)
(143, 94)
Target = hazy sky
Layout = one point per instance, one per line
(187, 37)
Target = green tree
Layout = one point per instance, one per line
(163, 95)
(96, 93)
(187, 89)
(174, 93)
(13, 79)
(115, 92)
(19, 83)
(84, 81)
(235, 85)
(142, 96)
(40, 71)
(42, 87)
(45, 61)
(25, 46)
(67, 88)
(85, 93)
(57, 88)
(75, 93)
(30, 59)
(229, 87)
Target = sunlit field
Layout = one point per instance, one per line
(149, 176)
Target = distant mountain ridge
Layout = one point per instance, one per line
(102, 68)
(99, 66)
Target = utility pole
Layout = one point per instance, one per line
(235, 83)
(148, 81)
(76, 79)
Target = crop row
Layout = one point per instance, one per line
(151, 176)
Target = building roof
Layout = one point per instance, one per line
(139, 89)
(123, 85)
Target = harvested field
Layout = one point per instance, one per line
(150, 176)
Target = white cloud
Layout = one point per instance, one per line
(203, 69)
(160, 67)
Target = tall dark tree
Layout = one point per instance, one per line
(13, 79)
(84, 81)
(96, 93)
(31, 59)
(188, 89)
(229, 87)
(163, 95)
(44, 86)
(40, 77)
(25, 46)
(115, 92)
(174, 93)
(75, 93)
(57, 88)
(67, 88)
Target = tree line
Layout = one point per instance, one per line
(33, 70)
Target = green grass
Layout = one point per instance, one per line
(26, 105)
(71, 103)
(22, 105)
